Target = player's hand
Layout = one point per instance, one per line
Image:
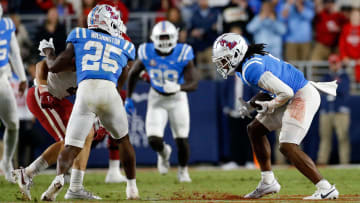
(22, 88)
(244, 112)
(267, 107)
(44, 44)
(171, 87)
(100, 134)
(129, 106)
(47, 100)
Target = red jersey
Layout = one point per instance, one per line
(328, 27)
(349, 44)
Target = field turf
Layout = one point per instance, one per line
(209, 185)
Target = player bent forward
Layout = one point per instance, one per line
(292, 110)
(101, 58)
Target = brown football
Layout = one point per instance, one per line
(261, 96)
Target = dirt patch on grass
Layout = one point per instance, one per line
(216, 196)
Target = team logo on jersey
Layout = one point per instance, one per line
(230, 45)
(152, 62)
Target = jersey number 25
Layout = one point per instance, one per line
(107, 64)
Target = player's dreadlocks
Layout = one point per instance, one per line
(252, 50)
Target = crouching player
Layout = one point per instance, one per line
(102, 60)
(296, 100)
(171, 70)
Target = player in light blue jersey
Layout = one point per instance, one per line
(102, 60)
(9, 51)
(291, 109)
(172, 73)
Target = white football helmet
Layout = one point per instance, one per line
(163, 29)
(107, 18)
(228, 51)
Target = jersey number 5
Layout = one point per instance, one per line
(3, 51)
(107, 64)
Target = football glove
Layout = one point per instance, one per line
(171, 87)
(245, 109)
(45, 44)
(129, 106)
(267, 107)
(47, 100)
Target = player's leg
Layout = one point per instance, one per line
(179, 117)
(155, 122)
(114, 174)
(76, 189)
(9, 116)
(296, 122)
(114, 119)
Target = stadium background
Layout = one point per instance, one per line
(210, 138)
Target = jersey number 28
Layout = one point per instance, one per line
(107, 64)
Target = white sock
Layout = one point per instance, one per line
(10, 143)
(114, 164)
(76, 180)
(36, 167)
(164, 151)
(131, 183)
(267, 177)
(323, 184)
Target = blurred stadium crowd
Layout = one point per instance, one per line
(322, 33)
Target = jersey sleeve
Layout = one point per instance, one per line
(142, 52)
(12, 27)
(75, 34)
(252, 71)
(8, 25)
(128, 49)
(186, 54)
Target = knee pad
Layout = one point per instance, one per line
(156, 143)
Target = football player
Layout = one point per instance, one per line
(48, 104)
(172, 73)
(102, 60)
(9, 50)
(295, 102)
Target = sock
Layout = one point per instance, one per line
(76, 180)
(114, 164)
(36, 167)
(323, 184)
(267, 177)
(10, 143)
(131, 183)
(164, 152)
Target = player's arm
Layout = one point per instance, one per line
(61, 63)
(134, 73)
(17, 64)
(41, 73)
(191, 78)
(124, 75)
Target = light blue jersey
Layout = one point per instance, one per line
(161, 68)
(7, 27)
(254, 67)
(99, 55)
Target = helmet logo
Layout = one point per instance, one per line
(230, 45)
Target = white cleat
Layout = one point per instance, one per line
(81, 194)
(6, 168)
(264, 189)
(132, 192)
(114, 176)
(24, 181)
(163, 163)
(53, 190)
(183, 175)
(331, 193)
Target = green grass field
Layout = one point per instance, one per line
(211, 185)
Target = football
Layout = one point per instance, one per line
(261, 96)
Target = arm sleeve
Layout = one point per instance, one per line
(188, 54)
(15, 58)
(254, 25)
(74, 35)
(307, 13)
(130, 50)
(273, 84)
(279, 27)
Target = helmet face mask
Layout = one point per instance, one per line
(228, 51)
(164, 36)
(107, 18)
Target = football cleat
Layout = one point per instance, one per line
(183, 175)
(163, 163)
(24, 182)
(331, 193)
(264, 189)
(54, 189)
(132, 192)
(6, 168)
(114, 176)
(80, 194)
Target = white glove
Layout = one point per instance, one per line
(267, 107)
(45, 44)
(245, 109)
(171, 87)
